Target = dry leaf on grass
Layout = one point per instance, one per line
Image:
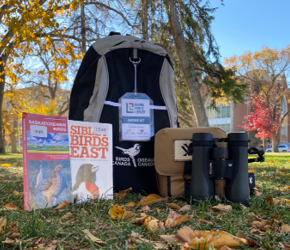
(285, 228)
(271, 201)
(150, 199)
(205, 239)
(184, 208)
(152, 224)
(221, 208)
(284, 246)
(285, 201)
(131, 205)
(225, 248)
(17, 193)
(175, 219)
(1, 176)
(93, 238)
(3, 223)
(248, 241)
(9, 206)
(68, 215)
(63, 204)
(13, 235)
(159, 211)
(259, 224)
(257, 193)
(40, 244)
(122, 194)
(185, 247)
(10, 241)
(284, 188)
(173, 206)
(120, 213)
(171, 239)
(140, 221)
(204, 222)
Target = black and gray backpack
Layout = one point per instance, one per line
(128, 82)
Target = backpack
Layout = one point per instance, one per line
(105, 91)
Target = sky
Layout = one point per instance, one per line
(247, 25)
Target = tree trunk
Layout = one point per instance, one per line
(13, 137)
(275, 141)
(83, 29)
(186, 65)
(144, 19)
(2, 84)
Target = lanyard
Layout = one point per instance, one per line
(135, 61)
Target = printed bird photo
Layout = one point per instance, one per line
(49, 183)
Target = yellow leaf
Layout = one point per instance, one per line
(119, 213)
(151, 223)
(90, 236)
(285, 200)
(63, 204)
(17, 193)
(6, 165)
(150, 199)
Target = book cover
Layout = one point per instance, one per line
(46, 163)
(91, 160)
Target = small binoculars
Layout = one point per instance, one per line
(230, 164)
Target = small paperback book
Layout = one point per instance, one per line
(91, 160)
(46, 162)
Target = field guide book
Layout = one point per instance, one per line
(91, 160)
(46, 161)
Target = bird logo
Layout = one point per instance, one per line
(132, 152)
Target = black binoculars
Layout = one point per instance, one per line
(230, 164)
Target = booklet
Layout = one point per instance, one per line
(91, 160)
(46, 162)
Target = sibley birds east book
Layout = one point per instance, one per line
(46, 162)
(91, 160)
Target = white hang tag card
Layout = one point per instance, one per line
(135, 117)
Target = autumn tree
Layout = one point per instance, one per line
(265, 73)
(263, 118)
(25, 24)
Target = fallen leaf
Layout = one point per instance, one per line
(175, 219)
(225, 248)
(63, 204)
(145, 209)
(119, 213)
(13, 235)
(171, 239)
(161, 225)
(150, 199)
(184, 208)
(173, 206)
(159, 245)
(284, 246)
(10, 241)
(93, 238)
(284, 188)
(186, 234)
(257, 193)
(185, 247)
(122, 194)
(3, 223)
(140, 221)
(279, 173)
(151, 223)
(285, 201)
(1, 176)
(131, 205)
(7, 165)
(270, 200)
(259, 224)
(159, 211)
(17, 193)
(204, 222)
(249, 242)
(216, 239)
(221, 208)
(68, 215)
(10, 206)
(285, 228)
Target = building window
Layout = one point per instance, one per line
(220, 117)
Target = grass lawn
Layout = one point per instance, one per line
(264, 222)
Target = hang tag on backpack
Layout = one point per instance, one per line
(136, 120)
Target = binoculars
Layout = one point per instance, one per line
(211, 164)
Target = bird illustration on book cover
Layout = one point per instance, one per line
(85, 183)
(49, 184)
